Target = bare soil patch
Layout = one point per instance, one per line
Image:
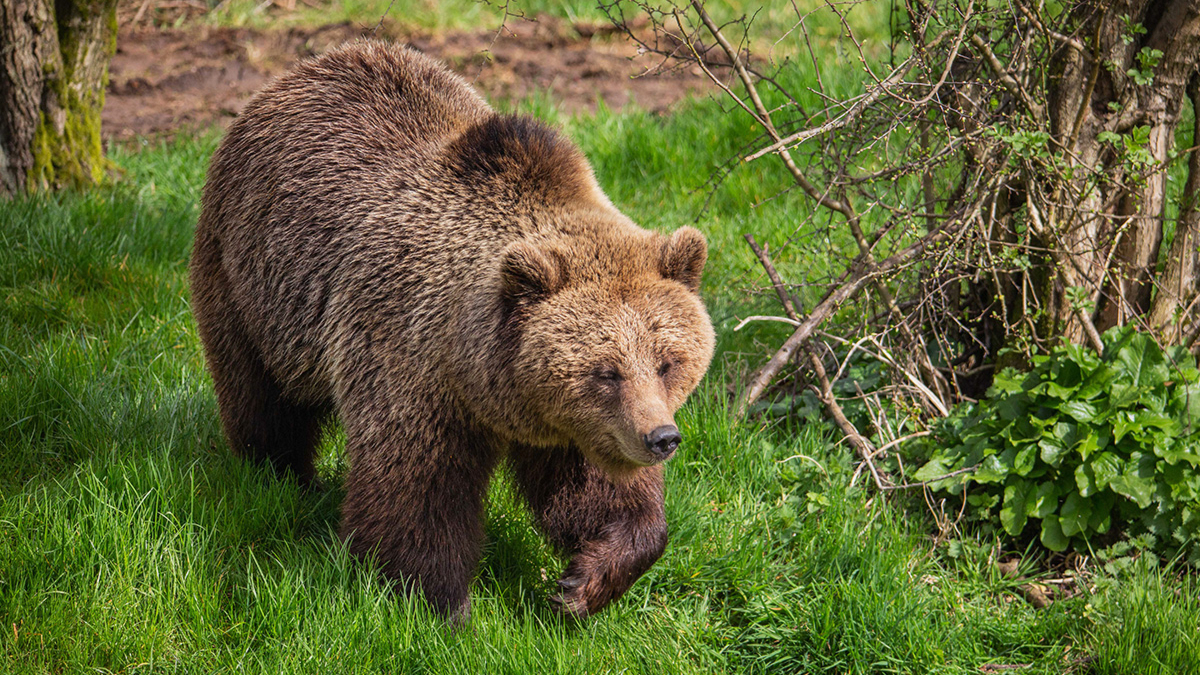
(165, 79)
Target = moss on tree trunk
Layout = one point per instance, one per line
(52, 91)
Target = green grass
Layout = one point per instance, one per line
(132, 542)
(487, 14)
(870, 23)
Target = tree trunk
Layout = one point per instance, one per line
(1070, 222)
(1111, 229)
(1173, 312)
(53, 70)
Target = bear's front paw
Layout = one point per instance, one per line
(570, 600)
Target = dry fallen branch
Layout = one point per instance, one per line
(825, 387)
(855, 279)
(825, 390)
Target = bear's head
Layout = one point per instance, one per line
(613, 337)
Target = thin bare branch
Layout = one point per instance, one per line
(856, 278)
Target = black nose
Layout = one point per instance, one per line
(663, 441)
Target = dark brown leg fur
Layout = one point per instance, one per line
(414, 499)
(264, 426)
(614, 532)
(259, 422)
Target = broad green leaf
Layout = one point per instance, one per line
(1158, 524)
(1052, 534)
(1183, 366)
(1081, 411)
(1085, 480)
(1052, 450)
(1144, 361)
(1099, 382)
(1037, 424)
(1123, 422)
(1013, 407)
(1190, 486)
(972, 453)
(1172, 473)
(1013, 516)
(984, 501)
(1154, 400)
(1084, 358)
(1130, 485)
(991, 470)
(1148, 419)
(1183, 491)
(1141, 423)
(1145, 462)
(932, 469)
(1075, 513)
(1023, 430)
(1007, 458)
(1091, 442)
(1106, 466)
(1067, 374)
(1186, 402)
(1025, 457)
(1115, 338)
(1054, 390)
(1068, 432)
(1007, 381)
(1043, 501)
(1177, 452)
(1101, 519)
(1029, 428)
(1121, 395)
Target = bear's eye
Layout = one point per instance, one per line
(664, 369)
(608, 375)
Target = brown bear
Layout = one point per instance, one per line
(378, 243)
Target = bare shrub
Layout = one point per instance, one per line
(1003, 183)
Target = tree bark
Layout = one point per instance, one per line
(1173, 312)
(53, 69)
(1111, 229)
(1071, 222)
(1177, 35)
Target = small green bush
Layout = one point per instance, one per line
(1083, 443)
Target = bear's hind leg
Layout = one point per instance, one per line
(264, 426)
(260, 423)
(614, 531)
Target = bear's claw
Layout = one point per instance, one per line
(571, 601)
(569, 606)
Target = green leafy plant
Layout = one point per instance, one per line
(1148, 59)
(1083, 443)
(1132, 29)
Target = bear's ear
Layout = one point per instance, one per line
(529, 273)
(683, 256)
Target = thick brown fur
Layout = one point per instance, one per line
(377, 243)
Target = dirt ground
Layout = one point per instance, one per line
(165, 79)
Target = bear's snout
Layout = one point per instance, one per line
(662, 441)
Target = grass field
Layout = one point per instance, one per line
(458, 14)
(132, 542)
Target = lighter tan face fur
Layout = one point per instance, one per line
(608, 364)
